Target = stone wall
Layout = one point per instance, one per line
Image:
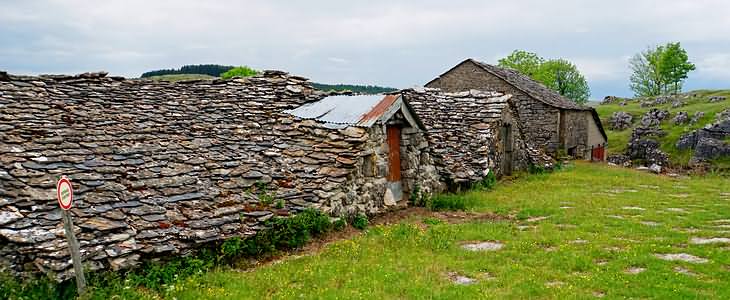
(575, 132)
(540, 121)
(159, 168)
(464, 132)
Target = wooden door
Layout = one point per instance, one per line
(507, 146)
(598, 153)
(393, 153)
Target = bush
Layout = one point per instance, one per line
(360, 221)
(447, 202)
(340, 224)
(487, 183)
(242, 71)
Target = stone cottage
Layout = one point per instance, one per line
(474, 132)
(548, 119)
(158, 167)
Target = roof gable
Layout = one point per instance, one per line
(530, 86)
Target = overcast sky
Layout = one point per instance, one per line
(391, 43)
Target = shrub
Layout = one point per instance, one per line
(360, 221)
(447, 202)
(242, 71)
(339, 224)
(487, 183)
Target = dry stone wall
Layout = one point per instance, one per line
(159, 168)
(540, 121)
(464, 132)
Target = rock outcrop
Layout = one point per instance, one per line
(620, 120)
(709, 142)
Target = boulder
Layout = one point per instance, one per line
(681, 118)
(620, 120)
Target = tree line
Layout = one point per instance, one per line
(359, 89)
(206, 69)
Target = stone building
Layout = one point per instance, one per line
(474, 132)
(548, 119)
(158, 167)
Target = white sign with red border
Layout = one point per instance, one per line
(65, 193)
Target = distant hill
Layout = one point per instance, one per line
(190, 72)
(181, 77)
(209, 69)
(357, 89)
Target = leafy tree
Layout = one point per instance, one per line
(527, 63)
(559, 75)
(563, 77)
(242, 71)
(659, 70)
(674, 66)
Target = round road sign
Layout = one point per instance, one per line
(65, 193)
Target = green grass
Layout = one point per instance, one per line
(411, 260)
(181, 77)
(618, 139)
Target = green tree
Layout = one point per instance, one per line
(563, 77)
(559, 75)
(242, 71)
(527, 63)
(659, 70)
(674, 66)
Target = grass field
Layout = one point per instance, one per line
(619, 139)
(583, 232)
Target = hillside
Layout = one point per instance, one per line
(693, 102)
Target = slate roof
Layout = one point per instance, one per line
(531, 87)
(534, 89)
(343, 111)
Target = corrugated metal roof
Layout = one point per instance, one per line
(343, 111)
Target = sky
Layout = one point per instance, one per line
(391, 43)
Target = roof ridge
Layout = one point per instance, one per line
(560, 101)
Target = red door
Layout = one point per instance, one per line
(393, 154)
(598, 153)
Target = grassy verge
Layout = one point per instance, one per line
(574, 234)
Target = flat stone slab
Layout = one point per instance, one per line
(483, 246)
(634, 270)
(682, 257)
(633, 208)
(554, 283)
(650, 223)
(461, 279)
(684, 271)
(537, 219)
(704, 241)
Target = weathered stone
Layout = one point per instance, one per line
(102, 224)
(9, 215)
(620, 120)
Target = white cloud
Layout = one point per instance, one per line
(714, 66)
(362, 40)
(600, 69)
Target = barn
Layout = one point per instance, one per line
(551, 121)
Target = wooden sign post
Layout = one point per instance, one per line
(65, 193)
